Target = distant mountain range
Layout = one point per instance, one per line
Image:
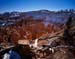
(45, 15)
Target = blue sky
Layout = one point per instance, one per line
(31, 5)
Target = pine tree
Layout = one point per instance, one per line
(67, 35)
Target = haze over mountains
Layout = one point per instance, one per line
(45, 15)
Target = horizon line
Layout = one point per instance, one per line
(35, 10)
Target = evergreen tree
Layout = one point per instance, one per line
(67, 35)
